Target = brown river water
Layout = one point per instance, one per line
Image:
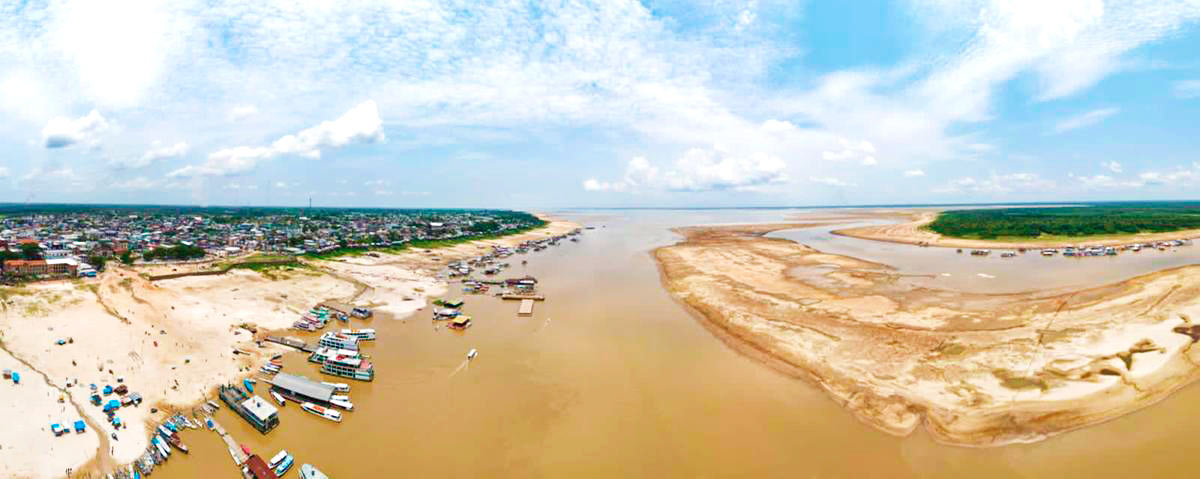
(611, 377)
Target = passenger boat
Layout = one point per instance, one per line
(362, 334)
(307, 471)
(344, 404)
(340, 397)
(339, 387)
(349, 367)
(322, 411)
(472, 353)
(281, 462)
(323, 354)
(278, 398)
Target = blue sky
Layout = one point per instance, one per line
(612, 103)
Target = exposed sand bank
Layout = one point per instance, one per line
(976, 369)
(913, 232)
(171, 340)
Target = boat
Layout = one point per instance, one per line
(162, 447)
(269, 370)
(472, 353)
(339, 387)
(349, 367)
(249, 383)
(362, 334)
(307, 471)
(278, 398)
(281, 463)
(322, 411)
(175, 442)
(246, 449)
(344, 404)
(340, 397)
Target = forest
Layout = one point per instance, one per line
(1068, 221)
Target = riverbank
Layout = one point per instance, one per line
(174, 341)
(975, 369)
(911, 230)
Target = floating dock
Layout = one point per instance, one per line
(235, 450)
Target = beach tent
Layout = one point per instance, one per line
(16, 377)
(57, 429)
(112, 405)
(108, 390)
(80, 426)
(116, 422)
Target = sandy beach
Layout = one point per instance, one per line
(173, 341)
(911, 230)
(974, 369)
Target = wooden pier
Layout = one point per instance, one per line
(235, 450)
(517, 297)
(291, 342)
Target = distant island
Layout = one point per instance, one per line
(1034, 226)
(1067, 222)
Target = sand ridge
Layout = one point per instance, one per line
(979, 370)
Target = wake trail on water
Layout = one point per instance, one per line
(547, 323)
(461, 367)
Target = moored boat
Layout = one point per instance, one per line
(249, 384)
(281, 462)
(322, 411)
(339, 387)
(344, 404)
(307, 471)
(472, 353)
(278, 398)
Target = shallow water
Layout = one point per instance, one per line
(611, 377)
(943, 268)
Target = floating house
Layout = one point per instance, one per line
(259, 413)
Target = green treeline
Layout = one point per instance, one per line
(174, 253)
(1068, 221)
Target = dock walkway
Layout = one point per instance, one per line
(235, 450)
(292, 342)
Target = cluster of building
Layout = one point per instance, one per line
(60, 244)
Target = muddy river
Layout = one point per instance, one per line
(610, 377)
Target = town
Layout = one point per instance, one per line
(68, 241)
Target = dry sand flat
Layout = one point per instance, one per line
(978, 370)
(173, 341)
(910, 230)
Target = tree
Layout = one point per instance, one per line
(97, 261)
(126, 258)
(31, 251)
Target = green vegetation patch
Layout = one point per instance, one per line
(1068, 222)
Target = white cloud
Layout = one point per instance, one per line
(1106, 182)
(155, 153)
(3, 172)
(240, 186)
(829, 180)
(1112, 166)
(242, 112)
(1084, 119)
(360, 124)
(863, 151)
(139, 183)
(699, 170)
(998, 184)
(777, 126)
(62, 132)
(1186, 89)
(914, 173)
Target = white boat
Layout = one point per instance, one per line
(322, 411)
(340, 397)
(347, 405)
(472, 353)
(339, 387)
(278, 458)
(307, 471)
(278, 398)
(362, 334)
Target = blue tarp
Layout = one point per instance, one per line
(80, 426)
(107, 390)
(112, 405)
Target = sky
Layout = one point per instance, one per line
(613, 103)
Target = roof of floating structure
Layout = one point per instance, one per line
(303, 386)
